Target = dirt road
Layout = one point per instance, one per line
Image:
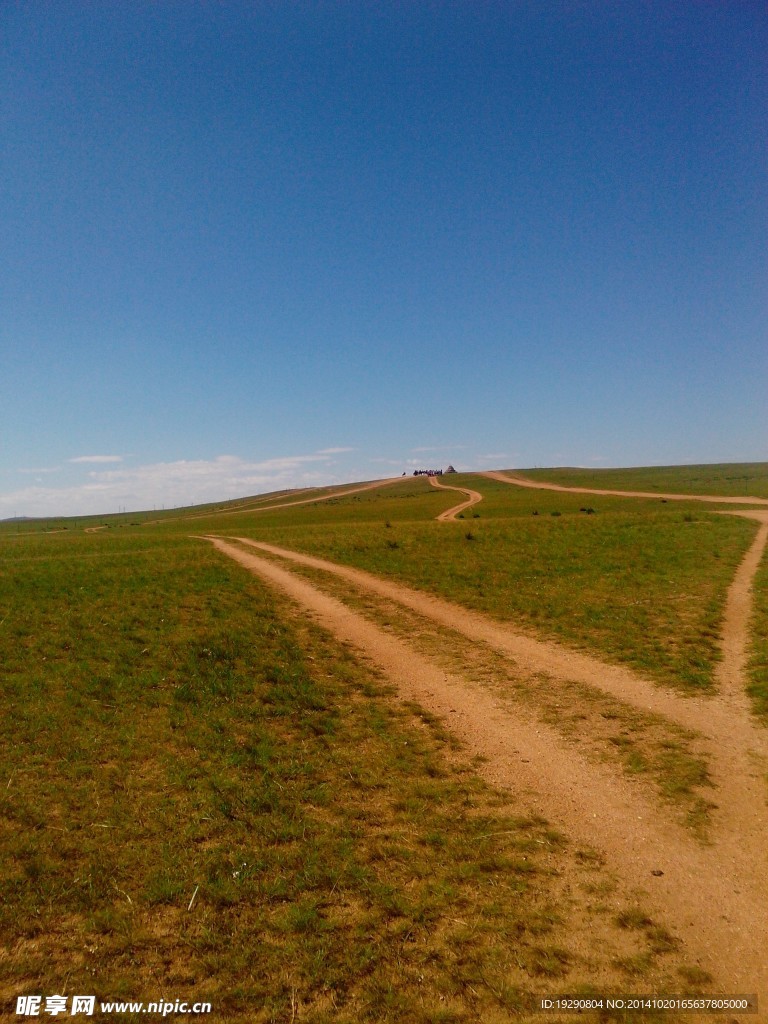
(257, 506)
(541, 485)
(715, 897)
(731, 672)
(473, 498)
(305, 501)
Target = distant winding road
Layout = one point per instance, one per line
(473, 497)
(541, 485)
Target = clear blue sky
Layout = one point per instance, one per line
(266, 244)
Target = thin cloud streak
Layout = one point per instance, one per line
(496, 457)
(96, 458)
(441, 448)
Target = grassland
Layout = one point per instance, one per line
(201, 796)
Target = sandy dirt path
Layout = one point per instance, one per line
(715, 900)
(540, 485)
(731, 672)
(531, 655)
(473, 498)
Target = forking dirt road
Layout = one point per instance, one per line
(715, 896)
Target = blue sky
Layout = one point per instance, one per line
(256, 245)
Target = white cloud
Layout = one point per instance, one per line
(335, 451)
(97, 458)
(40, 470)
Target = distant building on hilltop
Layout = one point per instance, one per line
(432, 472)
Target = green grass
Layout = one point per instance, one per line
(201, 795)
(737, 479)
(174, 734)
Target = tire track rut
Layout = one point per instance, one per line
(731, 672)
